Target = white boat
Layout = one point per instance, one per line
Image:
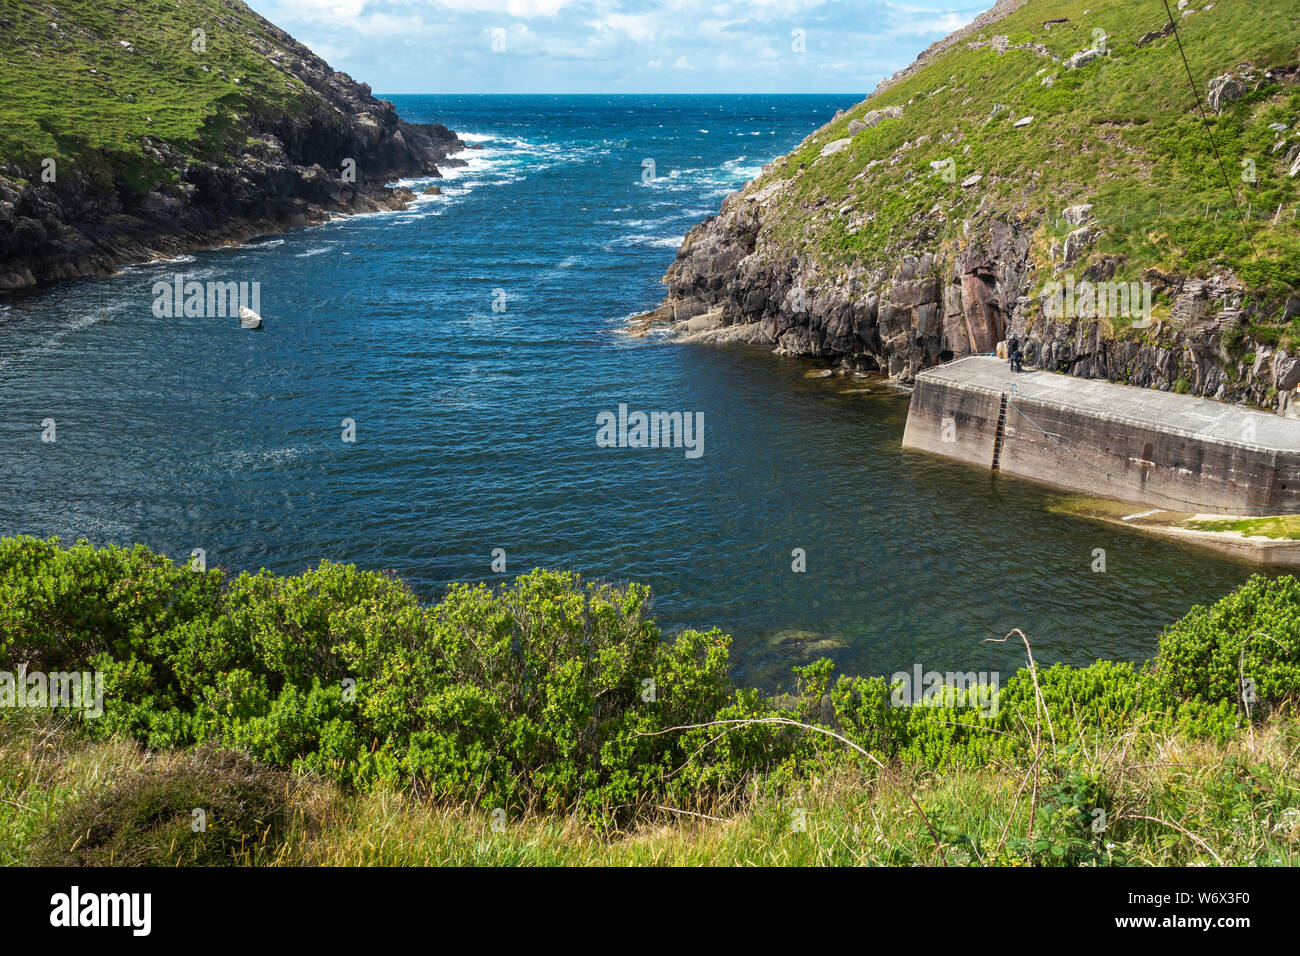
(249, 319)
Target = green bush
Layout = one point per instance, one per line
(550, 693)
(1248, 640)
(60, 608)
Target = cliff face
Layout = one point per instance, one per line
(1040, 151)
(203, 125)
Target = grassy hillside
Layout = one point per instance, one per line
(1121, 132)
(1049, 144)
(96, 84)
(330, 717)
(138, 130)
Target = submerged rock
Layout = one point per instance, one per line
(807, 645)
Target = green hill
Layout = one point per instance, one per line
(1050, 141)
(129, 130)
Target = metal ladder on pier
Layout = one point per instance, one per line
(997, 438)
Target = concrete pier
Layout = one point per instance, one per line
(1112, 441)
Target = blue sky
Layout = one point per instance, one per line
(627, 46)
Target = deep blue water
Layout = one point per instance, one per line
(476, 428)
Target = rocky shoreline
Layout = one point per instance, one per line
(959, 278)
(934, 306)
(336, 153)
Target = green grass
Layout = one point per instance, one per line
(1121, 133)
(1283, 527)
(74, 93)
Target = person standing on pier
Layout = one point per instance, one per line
(1013, 351)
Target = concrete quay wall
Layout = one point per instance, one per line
(1112, 441)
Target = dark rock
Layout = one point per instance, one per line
(1286, 371)
(1154, 35)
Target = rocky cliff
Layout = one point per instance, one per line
(1025, 176)
(132, 134)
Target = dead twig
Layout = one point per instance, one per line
(20, 806)
(1241, 678)
(1033, 673)
(691, 813)
(1182, 830)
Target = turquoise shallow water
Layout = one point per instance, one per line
(476, 427)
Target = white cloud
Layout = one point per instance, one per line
(523, 9)
(590, 45)
(639, 28)
(944, 23)
(389, 26)
(331, 11)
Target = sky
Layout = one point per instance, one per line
(619, 46)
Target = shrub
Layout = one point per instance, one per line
(1071, 824)
(550, 692)
(1248, 641)
(866, 715)
(60, 608)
